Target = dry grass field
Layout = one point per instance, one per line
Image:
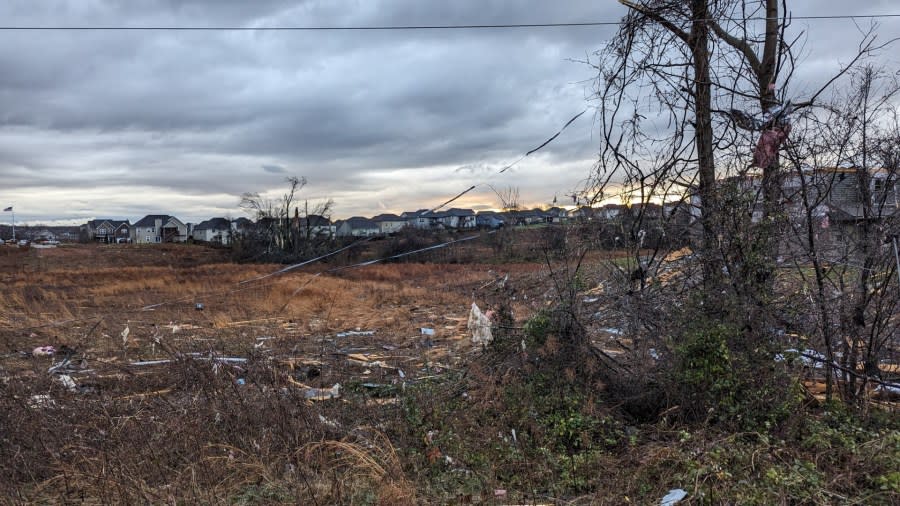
(225, 410)
(314, 387)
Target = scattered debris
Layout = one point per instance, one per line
(40, 401)
(351, 333)
(807, 357)
(67, 366)
(178, 327)
(322, 394)
(479, 326)
(258, 320)
(673, 497)
(889, 392)
(43, 351)
(329, 423)
(317, 394)
(67, 382)
(141, 363)
(195, 356)
(155, 393)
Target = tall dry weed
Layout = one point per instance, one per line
(367, 461)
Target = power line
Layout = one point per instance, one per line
(320, 28)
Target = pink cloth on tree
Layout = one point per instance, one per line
(769, 143)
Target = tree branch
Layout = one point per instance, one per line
(668, 25)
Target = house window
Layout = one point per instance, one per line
(879, 185)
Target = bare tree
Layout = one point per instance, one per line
(281, 231)
(845, 164)
(693, 99)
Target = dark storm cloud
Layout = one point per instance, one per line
(200, 117)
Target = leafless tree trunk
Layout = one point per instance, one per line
(278, 230)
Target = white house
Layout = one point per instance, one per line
(157, 228)
(214, 230)
(423, 219)
(357, 226)
(389, 223)
(315, 225)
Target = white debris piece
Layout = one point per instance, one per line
(67, 382)
(322, 394)
(674, 496)
(479, 326)
(350, 333)
(40, 401)
(43, 351)
(807, 357)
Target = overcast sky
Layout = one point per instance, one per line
(121, 124)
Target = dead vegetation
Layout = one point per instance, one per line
(324, 389)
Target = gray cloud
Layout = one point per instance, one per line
(184, 122)
(274, 169)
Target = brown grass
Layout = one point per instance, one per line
(185, 431)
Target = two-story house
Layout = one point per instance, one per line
(107, 231)
(158, 228)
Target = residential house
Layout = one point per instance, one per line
(214, 230)
(357, 226)
(583, 213)
(646, 210)
(839, 206)
(556, 215)
(456, 218)
(489, 219)
(158, 228)
(389, 223)
(107, 231)
(421, 219)
(315, 225)
(529, 217)
(241, 226)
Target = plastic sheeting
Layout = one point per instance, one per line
(479, 326)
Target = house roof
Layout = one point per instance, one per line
(150, 220)
(387, 217)
(359, 222)
(213, 224)
(315, 220)
(114, 223)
